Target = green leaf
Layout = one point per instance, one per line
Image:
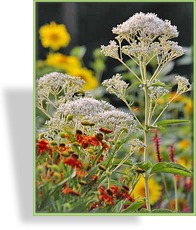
(171, 122)
(144, 165)
(134, 206)
(70, 135)
(173, 168)
(78, 51)
(97, 157)
(162, 211)
(159, 84)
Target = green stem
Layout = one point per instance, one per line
(147, 194)
(145, 137)
(109, 181)
(176, 193)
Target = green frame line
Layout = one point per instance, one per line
(34, 113)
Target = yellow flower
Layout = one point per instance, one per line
(61, 61)
(54, 36)
(179, 98)
(154, 190)
(166, 98)
(184, 144)
(185, 161)
(86, 75)
(188, 107)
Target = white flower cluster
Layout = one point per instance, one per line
(111, 50)
(145, 27)
(155, 92)
(74, 114)
(114, 120)
(73, 111)
(183, 84)
(147, 36)
(55, 84)
(169, 50)
(116, 85)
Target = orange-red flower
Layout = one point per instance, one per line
(81, 173)
(67, 190)
(73, 162)
(106, 195)
(114, 192)
(127, 196)
(85, 140)
(94, 177)
(42, 146)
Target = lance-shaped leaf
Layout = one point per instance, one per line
(171, 122)
(173, 168)
(134, 206)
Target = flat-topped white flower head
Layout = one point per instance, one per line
(55, 84)
(145, 26)
(78, 109)
(145, 36)
(55, 81)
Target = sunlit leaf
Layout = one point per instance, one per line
(173, 168)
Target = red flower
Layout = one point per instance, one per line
(114, 189)
(67, 190)
(94, 206)
(156, 140)
(73, 162)
(106, 195)
(110, 195)
(80, 173)
(85, 140)
(95, 140)
(42, 146)
(124, 195)
(94, 177)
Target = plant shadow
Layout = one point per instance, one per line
(19, 109)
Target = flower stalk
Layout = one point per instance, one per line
(147, 37)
